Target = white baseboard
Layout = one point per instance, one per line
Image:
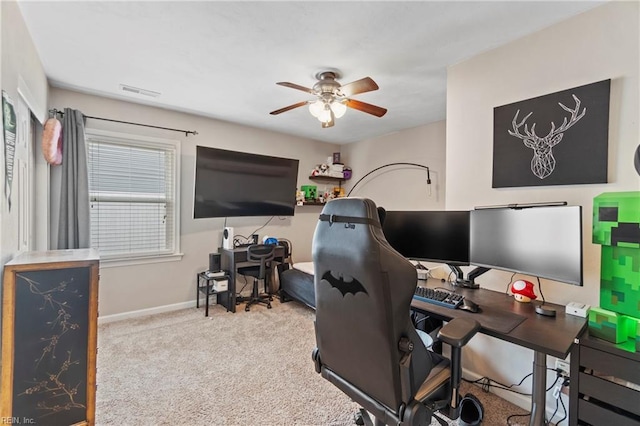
(145, 312)
(522, 401)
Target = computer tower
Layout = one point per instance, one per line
(214, 262)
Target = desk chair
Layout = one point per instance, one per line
(366, 343)
(262, 254)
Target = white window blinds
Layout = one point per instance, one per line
(133, 195)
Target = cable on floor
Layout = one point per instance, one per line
(486, 385)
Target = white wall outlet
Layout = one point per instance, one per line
(564, 367)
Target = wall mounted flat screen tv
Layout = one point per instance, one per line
(544, 242)
(432, 235)
(231, 183)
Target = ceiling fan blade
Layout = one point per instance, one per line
(365, 107)
(296, 86)
(359, 86)
(289, 108)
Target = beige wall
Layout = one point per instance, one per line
(597, 45)
(401, 187)
(131, 288)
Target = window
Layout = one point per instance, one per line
(133, 191)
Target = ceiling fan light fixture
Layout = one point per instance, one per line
(325, 114)
(332, 99)
(338, 108)
(315, 108)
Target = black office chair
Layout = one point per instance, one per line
(262, 254)
(366, 343)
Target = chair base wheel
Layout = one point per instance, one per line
(254, 300)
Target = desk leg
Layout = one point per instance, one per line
(206, 308)
(539, 391)
(232, 289)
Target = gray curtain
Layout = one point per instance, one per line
(74, 226)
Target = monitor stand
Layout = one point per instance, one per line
(469, 282)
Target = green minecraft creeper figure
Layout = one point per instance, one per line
(616, 226)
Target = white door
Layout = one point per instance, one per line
(23, 175)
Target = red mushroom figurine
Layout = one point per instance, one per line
(523, 291)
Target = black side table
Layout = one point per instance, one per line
(204, 284)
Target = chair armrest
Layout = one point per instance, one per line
(458, 331)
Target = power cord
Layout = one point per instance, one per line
(239, 293)
(564, 409)
(266, 223)
(565, 383)
(241, 239)
(540, 288)
(509, 283)
(487, 383)
(511, 416)
(546, 422)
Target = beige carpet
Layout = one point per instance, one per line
(248, 368)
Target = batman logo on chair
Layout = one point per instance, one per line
(354, 286)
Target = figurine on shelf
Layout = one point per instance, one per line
(300, 197)
(346, 172)
(320, 170)
(328, 196)
(523, 291)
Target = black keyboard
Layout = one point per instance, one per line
(438, 297)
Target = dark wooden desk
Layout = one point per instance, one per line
(544, 335)
(230, 260)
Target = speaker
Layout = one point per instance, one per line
(227, 238)
(214, 262)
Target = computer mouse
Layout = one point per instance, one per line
(469, 305)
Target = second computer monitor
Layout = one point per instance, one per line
(440, 236)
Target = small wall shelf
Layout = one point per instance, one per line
(324, 178)
(327, 180)
(311, 203)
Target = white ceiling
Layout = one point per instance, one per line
(222, 59)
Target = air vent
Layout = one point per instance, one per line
(139, 91)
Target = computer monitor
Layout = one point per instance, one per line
(440, 236)
(545, 242)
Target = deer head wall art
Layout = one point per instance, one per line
(530, 149)
(543, 162)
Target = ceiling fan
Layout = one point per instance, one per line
(332, 98)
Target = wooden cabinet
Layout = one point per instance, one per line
(604, 384)
(49, 338)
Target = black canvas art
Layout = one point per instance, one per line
(555, 139)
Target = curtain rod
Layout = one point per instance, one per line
(186, 132)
